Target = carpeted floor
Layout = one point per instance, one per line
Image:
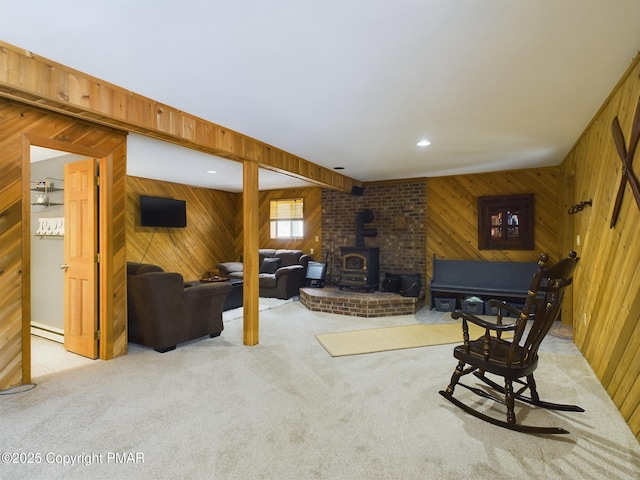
(48, 357)
(284, 409)
(264, 304)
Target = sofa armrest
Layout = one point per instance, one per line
(285, 271)
(206, 290)
(155, 307)
(205, 300)
(304, 261)
(203, 308)
(230, 267)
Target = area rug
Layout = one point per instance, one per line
(394, 338)
(264, 304)
(561, 331)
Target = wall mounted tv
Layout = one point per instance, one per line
(162, 212)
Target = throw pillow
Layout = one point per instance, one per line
(270, 265)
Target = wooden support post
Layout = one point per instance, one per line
(250, 223)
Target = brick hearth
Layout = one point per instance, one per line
(358, 304)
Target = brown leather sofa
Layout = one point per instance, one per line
(282, 272)
(163, 312)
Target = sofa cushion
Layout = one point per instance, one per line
(265, 253)
(270, 265)
(228, 268)
(288, 257)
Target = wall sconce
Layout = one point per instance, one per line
(578, 207)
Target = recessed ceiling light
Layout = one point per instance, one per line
(211, 171)
(423, 143)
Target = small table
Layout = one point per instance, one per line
(234, 297)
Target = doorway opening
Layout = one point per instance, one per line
(48, 354)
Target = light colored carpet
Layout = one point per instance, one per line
(284, 409)
(48, 356)
(264, 304)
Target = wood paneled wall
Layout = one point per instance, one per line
(20, 127)
(212, 234)
(214, 230)
(312, 198)
(452, 214)
(607, 284)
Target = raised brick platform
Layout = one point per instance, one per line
(358, 304)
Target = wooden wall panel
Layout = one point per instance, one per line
(11, 248)
(312, 198)
(20, 127)
(607, 284)
(113, 170)
(452, 214)
(211, 235)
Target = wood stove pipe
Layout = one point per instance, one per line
(364, 216)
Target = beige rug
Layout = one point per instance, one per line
(394, 338)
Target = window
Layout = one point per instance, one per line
(287, 220)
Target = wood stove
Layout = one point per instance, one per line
(360, 268)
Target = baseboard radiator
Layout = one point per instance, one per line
(47, 331)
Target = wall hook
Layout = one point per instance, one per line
(578, 207)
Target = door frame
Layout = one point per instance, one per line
(105, 240)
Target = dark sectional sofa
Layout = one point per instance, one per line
(282, 272)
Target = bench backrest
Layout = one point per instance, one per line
(483, 274)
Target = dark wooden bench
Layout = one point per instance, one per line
(463, 278)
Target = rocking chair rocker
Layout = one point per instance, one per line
(513, 360)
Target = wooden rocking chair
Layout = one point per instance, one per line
(514, 360)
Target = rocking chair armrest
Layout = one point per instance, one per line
(467, 317)
(504, 306)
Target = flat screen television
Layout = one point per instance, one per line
(316, 272)
(162, 212)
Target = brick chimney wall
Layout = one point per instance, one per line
(400, 221)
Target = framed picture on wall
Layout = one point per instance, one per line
(505, 222)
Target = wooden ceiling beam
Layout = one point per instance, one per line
(35, 80)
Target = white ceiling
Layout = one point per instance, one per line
(493, 84)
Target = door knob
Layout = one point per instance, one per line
(64, 266)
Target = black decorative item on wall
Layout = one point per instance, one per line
(357, 190)
(627, 159)
(578, 207)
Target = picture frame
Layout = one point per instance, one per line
(505, 222)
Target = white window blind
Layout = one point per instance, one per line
(287, 219)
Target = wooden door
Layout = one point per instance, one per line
(80, 258)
